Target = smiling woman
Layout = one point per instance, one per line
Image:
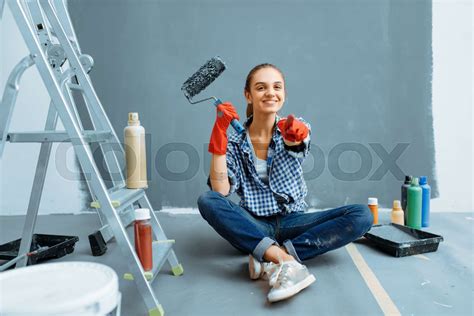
(263, 165)
(267, 87)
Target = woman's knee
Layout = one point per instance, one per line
(364, 218)
(207, 202)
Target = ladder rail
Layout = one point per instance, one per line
(37, 189)
(44, 36)
(83, 78)
(92, 103)
(10, 94)
(107, 151)
(61, 8)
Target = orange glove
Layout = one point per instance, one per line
(292, 130)
(225, 114)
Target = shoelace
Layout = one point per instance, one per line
(269, 268)
(282, 275)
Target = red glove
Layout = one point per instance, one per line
(293, 130)
(225, 114)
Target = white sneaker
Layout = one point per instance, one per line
(262, 270)
(291, 278)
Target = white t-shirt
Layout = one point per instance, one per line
(260, 164)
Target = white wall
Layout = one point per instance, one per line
(452, 103)
(18, 164)
(452, 111)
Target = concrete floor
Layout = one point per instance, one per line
(216, 281)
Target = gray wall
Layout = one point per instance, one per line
(359, 71)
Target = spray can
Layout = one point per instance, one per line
(374, 208)
(397, 216)
(405, 187)
(143, 238)
(414, 205)
(425, 202)
(135, 153)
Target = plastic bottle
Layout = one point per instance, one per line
(374, 208)
(414, 204)
(135, 153)
(405, 187)
(143, 238)
(425, 202)
(397, 216)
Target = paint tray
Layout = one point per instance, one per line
(400, 241)
(58, 245)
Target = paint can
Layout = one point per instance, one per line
(63, 288)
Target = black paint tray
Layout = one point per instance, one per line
(400, 241)
(58, 246)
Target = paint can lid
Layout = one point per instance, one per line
(423, 180)
(60, 288)
(408, 179)
(142, 214)
(373, 201)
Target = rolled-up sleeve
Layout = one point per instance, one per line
(233, 169)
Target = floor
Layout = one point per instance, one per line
(354, 280)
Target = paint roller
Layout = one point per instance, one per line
(201, 79)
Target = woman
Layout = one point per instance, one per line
(263, 166)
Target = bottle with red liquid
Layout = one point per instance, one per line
(143, 238)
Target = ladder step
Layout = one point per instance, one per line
(56, 137)
(161, 250)
(126, 197)
(122, 198)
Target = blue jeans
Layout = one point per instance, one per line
(303, 235)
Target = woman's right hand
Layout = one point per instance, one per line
(226, 112)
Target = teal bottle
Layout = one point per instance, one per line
(425, 202)
(414, 203)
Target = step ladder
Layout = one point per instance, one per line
(49, 35)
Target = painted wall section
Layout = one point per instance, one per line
(358, 71)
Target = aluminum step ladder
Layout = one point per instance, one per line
(54, 49)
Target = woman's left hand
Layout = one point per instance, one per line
(292, 130)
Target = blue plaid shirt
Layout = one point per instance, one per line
(286, 189)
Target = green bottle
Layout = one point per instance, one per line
(414, 199)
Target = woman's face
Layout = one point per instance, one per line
(267, 91)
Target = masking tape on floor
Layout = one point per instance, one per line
(379, 293)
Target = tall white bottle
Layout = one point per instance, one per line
(135, 153)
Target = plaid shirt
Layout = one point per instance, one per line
(286, 190)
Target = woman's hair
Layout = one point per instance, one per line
(249, 79)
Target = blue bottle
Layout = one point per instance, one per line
(425, 203)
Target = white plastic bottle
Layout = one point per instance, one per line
(135, 153)
(397, 216)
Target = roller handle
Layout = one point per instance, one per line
(235, 124)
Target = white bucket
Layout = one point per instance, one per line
(63, 288)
